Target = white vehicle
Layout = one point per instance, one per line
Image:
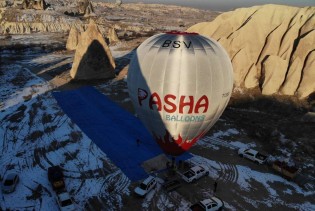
(10, 181)
(50, 9)
(65, 202)
(252, 155)
(211, 204)
(145, 187)
(195, 173)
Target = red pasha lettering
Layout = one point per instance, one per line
(155, 100)
(203, 102)
(170, 107)
(186, 104)
(189, 104)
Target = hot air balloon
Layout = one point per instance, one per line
(179, 84)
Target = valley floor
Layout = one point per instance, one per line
(35, 133)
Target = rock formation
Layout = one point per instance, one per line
(17, 2)
(82, 6)
(112, 35)
(142, 19)
(92, 59)
(34, 4)
(118, 2)
(27, 28)
(73, 39)
(89, 10)
(85, 8)
(1, 28)
(270, 46)
(3, 3)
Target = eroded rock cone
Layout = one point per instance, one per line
(89, 10)
(73, 39)
(82, 6)
(112, 36)
(92, 59)
(39, 5)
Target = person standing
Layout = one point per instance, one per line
(138, 142)
(215, 185)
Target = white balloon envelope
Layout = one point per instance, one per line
(180, 84)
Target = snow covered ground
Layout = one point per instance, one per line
(19, 86)
(246, 179)
(36, 134)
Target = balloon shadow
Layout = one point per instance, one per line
(95, 64)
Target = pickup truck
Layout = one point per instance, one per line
(194, 173)
(252, 155)
(289, 172)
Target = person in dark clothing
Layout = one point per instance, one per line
(215, 185)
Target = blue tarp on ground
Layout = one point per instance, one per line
(111, 128)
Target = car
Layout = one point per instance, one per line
(252, 155)
(195, 173)
(10, 181)
(65, 202)
(56, 178)
(146, 186)
(50, 9)
(211, 204)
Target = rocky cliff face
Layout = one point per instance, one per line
(29, 16)
(27, 28)
(271, 47)
(32, 4)
(16, 21)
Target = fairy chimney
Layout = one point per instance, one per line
(112, 35)
(92, 59)
(89, 10)
(73, 39)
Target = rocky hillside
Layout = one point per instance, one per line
(129, 20)
(26, 21)
(15, 19)
(272, 47)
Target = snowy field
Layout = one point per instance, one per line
(246, 179)
(36, 134)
